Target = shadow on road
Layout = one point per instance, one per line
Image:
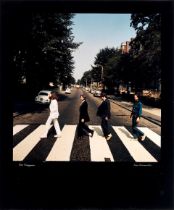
(126, 133)
(98, 131)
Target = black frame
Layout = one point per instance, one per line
(132, 186)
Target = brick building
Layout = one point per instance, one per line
(125, 47)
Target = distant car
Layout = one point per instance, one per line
(42, 97)
(68, 91)
(92, 91)
(97, 93)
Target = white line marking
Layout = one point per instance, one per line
(18, 128)
(151, 135)
(61, 150)
(98, 145)
(21, 150)
(136, 150)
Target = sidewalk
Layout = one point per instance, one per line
(151, 110)
(155, 111)
(150, 113)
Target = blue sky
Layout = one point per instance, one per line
(98, 31)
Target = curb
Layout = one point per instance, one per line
(147, 118)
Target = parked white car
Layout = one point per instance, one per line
(97, 93)
(68, 90)
(92, 91)
(42, 97)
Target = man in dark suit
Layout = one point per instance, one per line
(105, 114)
(83, 118)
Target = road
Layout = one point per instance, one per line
(29, 121)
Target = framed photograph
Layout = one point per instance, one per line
(87, 104)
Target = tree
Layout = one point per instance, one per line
(41, 48)
(56, 45)
(112, 70)
(101, 59)
(86, 78)
(146, 49)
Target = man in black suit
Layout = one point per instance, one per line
(83, 118)
(105, 114)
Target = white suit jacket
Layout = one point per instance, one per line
(54, 113)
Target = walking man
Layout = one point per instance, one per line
(83, 118)
(53, 116)
(105, 114)
(135, 115)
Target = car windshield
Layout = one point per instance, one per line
(43, 93)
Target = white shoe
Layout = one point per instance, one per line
(109, 137)
(43, 136)
(57, 136)
(91, 134)
(143, 137)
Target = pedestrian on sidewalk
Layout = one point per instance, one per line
(104, 113)
(53, 116)
(82, 128)
(136, 115)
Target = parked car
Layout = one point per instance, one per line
(68, 91)
(97, 93)
(42, 97)
(92, 91)
(87, 89)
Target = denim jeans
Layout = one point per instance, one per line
(136, 132)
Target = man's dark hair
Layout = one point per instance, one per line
(83, 96)
(54, 95)
(104, 95)
(138, 95)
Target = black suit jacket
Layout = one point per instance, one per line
(84, 112)
(104, 109)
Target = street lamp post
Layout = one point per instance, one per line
(101, 71)
(101, 74)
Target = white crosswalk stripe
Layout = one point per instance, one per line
(151, 135)
(62, 148)
(21, 150)
(137, 151)
(18, 128)
(99, 147)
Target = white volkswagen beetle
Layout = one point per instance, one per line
(68, 91)
(42, 97)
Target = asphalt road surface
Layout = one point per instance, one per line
(28, 126)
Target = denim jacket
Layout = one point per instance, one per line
(137, 109)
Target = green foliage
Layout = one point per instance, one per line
(102, 61)
(86, 78)
(46, 51)
(104, 55)
(146, 48)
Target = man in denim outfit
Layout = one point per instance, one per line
(135, 115)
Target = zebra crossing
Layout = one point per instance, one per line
(121, 146)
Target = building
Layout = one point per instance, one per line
(125, 47)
